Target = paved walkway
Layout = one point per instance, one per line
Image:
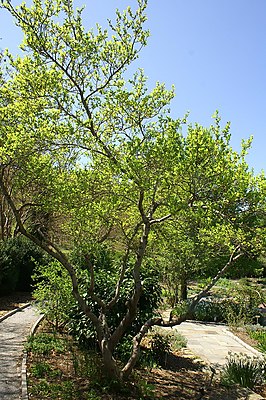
(13, 333)
(212, 343)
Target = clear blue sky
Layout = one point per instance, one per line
(213, 51)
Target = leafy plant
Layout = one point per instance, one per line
(106, 274)
(44, 389)
(52, 290)
(163, 342)
(260, 336)
(44, 344)
(40, 369)
(243, 306)
(245, 370)
(161, 347)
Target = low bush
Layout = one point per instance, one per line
(17, 261)
(235, 305)
(244, 370)
(161, 342)
(52, 290)
(211, 311)
(54, 295)
(259, 334)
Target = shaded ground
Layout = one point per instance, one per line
(15, 300)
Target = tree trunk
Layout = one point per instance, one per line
(183, 288)
(111, 369)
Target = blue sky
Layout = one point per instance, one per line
(213, 51)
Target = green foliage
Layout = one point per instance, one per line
(64, 390)
(243, 308)
(211, 311)
(52, 290)
(44, 344)
(17, 261)
(42, 369)
(233, 302)
(106, 273)
(86, 364)
(243, 268)
(259, 334)
(244, 370)
(162, 343)
(174, 339)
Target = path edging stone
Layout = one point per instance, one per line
(247, 346)
(14, 311)
(24, 384)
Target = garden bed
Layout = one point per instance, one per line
(71, 374)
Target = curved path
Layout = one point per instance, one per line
(13, 333)
(213, 342)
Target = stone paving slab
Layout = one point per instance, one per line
(212, 342)
(13, 333)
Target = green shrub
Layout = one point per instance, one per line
(238, 306)
(259, 334)
(211, 311)
(107, 269)
(162, 343)
(53, 291)
(17, 261)
(161, 347)
(244, 370)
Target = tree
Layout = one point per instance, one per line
(104, 154)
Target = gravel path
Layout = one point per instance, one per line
(13, 333)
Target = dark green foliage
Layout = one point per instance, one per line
(17, 261)
(106, 266)
(243, 267)
(52, 289)
(244, 370)
(213, 311)
(234, 302)
(162, 342)
(161, 347)
(40, 369)
(246, 267)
